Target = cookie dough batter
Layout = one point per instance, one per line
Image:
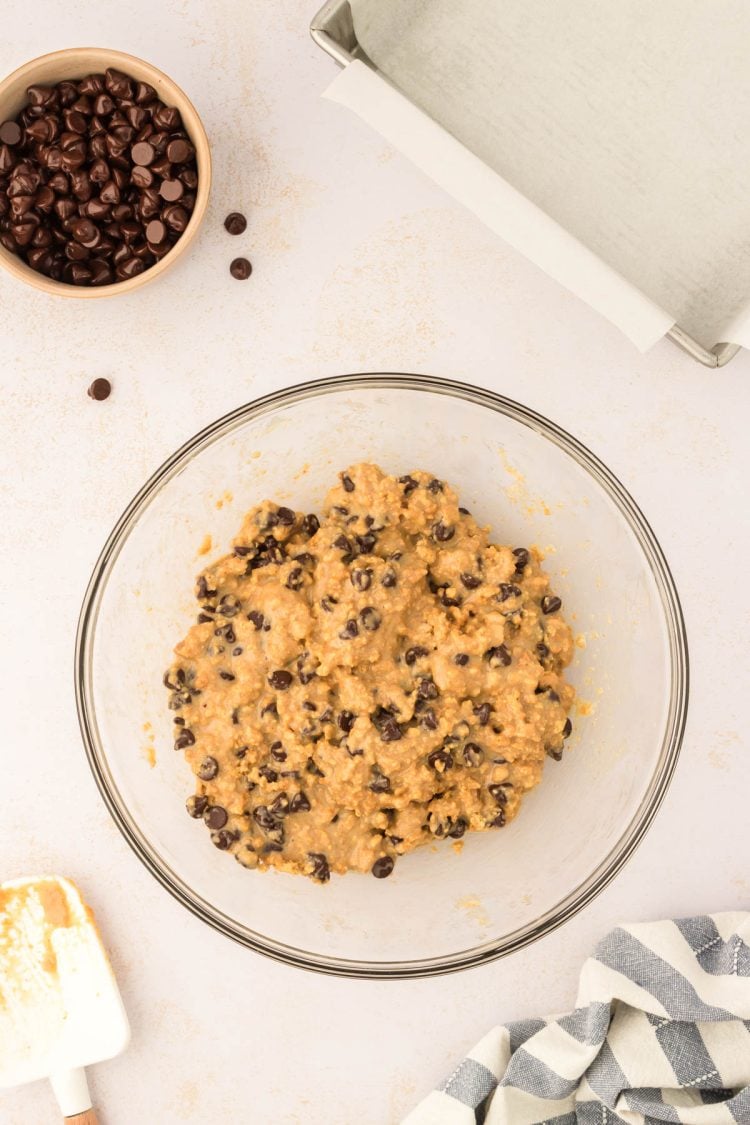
(359, 685)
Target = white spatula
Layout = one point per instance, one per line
(60, 1010)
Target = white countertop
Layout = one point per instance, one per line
(359, 264)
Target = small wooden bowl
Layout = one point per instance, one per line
(76, 63)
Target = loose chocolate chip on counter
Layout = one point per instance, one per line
(280, 679)
(235, 223)
(382, 867)
(551, 603)
(196, 806)
(99, 389)
(215, 817)
(240, 269)
(208, 769)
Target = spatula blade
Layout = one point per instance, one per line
(60, 1008)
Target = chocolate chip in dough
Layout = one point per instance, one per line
(551, 603)
(196, 806)
(215, 817)
(208, 769)
(382, 867)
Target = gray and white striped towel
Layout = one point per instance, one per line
(660, 1032)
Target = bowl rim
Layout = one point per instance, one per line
(633, 833)
(102, 57)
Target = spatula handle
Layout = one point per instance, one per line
(87, 1118)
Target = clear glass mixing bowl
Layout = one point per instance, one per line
(439, 911)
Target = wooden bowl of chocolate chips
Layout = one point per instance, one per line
(105, 172)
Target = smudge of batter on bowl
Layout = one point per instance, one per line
(368, 681)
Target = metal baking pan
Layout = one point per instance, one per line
(333, 30)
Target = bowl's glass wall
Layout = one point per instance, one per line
(438, 905)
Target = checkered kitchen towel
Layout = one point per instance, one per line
(661, 1032)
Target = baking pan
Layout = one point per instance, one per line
(333, 30)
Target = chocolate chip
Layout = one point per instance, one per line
(229, 606)
(296, 578)
(497, 792)
(143, 153)
(542, 651)
(208, 769)
(346, 721)
(10, 133)
(551, 603)
(299, 803)
(427, 689)
(461, 658)
(100, 389)
(389, 578)
(320, 869)
(413, 654)
(498, 821)
(442, 532)
(366, 543)
(347, 482)
(223, 840)
(498, 656)
(185, 739)
(350, 630)
(196, 806)
(522, 559)
(240, 269)
(508, 590)
(264, 818)
(227, 675)
(235, 223)
(473, 754)
(370, 619)
(313, 768)
(470, 581)
(409, 484)
(440, 760)
(257, 619)
(281, 680)
(361, 578)
(280, 806)
(310, 525)
(215, 817)
(382, 867)
(428, 720)
(567, 729)
(380, 783)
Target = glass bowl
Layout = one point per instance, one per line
(535, 484)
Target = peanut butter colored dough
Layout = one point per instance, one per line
(359, 687)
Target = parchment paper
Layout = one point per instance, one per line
(616, 132)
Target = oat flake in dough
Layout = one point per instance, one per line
(362, 685)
